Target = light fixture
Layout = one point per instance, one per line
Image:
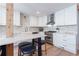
(37, 12)
(49, 25)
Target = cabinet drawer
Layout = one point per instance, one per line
(71, 40)
(70, 47)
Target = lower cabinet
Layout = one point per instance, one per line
(70, 43)
(71, 48)
(57, 40)
(65, 41)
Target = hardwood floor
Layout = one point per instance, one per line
(54, 51)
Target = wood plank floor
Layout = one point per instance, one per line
(54, 51)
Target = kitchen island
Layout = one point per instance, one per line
(21, 37)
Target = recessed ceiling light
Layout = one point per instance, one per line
(37, 12)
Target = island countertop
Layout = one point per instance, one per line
(18, 37)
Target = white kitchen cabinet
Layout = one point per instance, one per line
(16, 18)
(42, 21)
(55, 40)
(65, 41)
(58, 40)
(38, 20)
(70, 43)
(59, 17)
(66, 16)
(33, 20)
(71, 15)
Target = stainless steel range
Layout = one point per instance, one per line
(49, 37)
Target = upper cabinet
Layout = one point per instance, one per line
(59, 17)
(71, 15)
(16, 18)
(33, 20)
(42, 21)
(67, 16)
(38, 21)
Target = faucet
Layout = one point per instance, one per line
(25, 29)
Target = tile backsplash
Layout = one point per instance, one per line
(70, 28)
(2, 29)
(17, 29)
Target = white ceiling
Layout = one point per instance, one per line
(44, 8)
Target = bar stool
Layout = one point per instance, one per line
(43, 42)
(26, 48)
(0, 51)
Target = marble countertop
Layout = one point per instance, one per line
(19, 37)
(67, 33)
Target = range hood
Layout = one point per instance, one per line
(39, 26)
(51, 20)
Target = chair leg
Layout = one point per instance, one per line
(45, 47)
(19, 52)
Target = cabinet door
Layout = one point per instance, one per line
(16, 18)
(33, 21)
(42, 20)
(59, 17)
(55, 41)
(70, 43)
(71, 15)
(58, 40)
